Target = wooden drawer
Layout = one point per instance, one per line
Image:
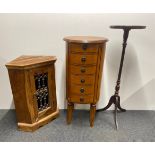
(81, 90)
(81, 47)
(86, 99)
(82, 79)
(82, 69)
(81, 59)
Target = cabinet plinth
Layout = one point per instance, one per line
(84, 65)
(32, 80)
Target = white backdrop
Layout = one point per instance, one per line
(42, 34)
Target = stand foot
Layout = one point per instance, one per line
(119, 105)
(115, 112)
(108, 106)
(113, 101)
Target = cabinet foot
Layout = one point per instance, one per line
(92, 114)
(70, 109)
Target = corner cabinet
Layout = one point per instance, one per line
(32, 81)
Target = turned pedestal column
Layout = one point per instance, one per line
(115, 99)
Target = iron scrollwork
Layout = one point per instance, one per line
(41, 84)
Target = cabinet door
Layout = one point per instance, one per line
(42, 82)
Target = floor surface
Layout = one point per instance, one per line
(134, 126)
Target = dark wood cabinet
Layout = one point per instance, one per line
(32, 80)
(85, 57)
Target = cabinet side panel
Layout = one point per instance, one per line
(100, 70)
(67, 71)
(52, 87)
(17, 81)
(32, 108)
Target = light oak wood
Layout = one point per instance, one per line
(82, 69)
(39, 123)
(70, 109)
(81, 99)
(29, 61)
(92, 114)
(82, 79)
(78, 48)
(84, 65)
(85, 39)
(82, 90)
(83, 59)
(24, 89)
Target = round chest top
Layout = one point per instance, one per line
(127, 27)
(85, 39)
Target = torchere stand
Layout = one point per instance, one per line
(115, 99)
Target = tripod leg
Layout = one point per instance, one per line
(108, 106)
(119, 106)
(115, 114)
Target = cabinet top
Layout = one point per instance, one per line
(30, 61)
(85, 39)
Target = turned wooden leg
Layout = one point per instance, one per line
(92, 114)
(70, 109)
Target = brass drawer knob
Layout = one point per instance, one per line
(81, 99)
(82, 80)
(83, 59)
(82, 90)
(83, 70)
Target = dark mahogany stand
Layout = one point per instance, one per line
(115, 99)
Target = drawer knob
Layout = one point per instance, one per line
(82, 90)
(83, 59)
(83, 70)
(81, 99)
(82, 80)
(84, 46)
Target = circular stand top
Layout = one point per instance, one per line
(127, 27)
(85, 39)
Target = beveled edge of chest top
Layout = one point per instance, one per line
(85, 39)
(30, 61)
